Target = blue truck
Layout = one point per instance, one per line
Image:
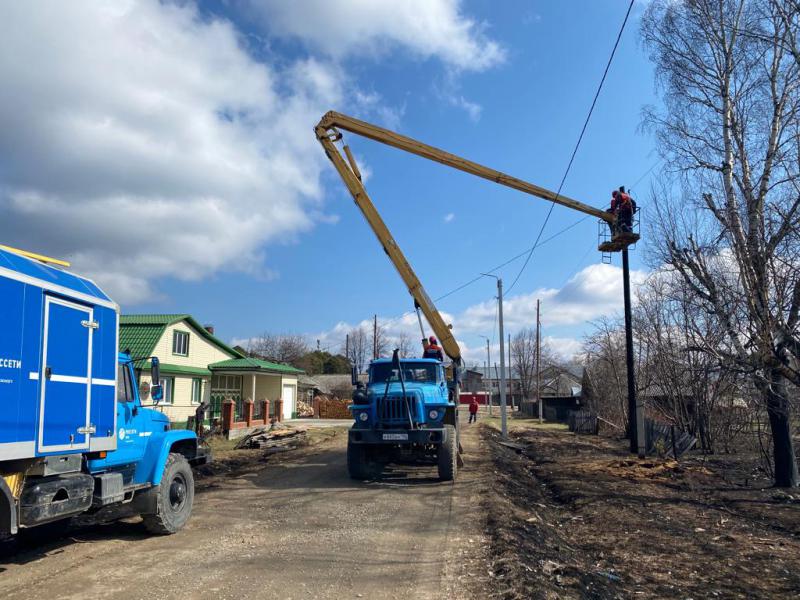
(405, 412)
(74, 436)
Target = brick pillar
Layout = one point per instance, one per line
(279, 410)
(227, 414)
(248, 411)
(265, 411)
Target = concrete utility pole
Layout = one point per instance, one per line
(503, 416)
(510, 371)
(488, 370)
(538, 362)
(347, 346)
(635, 412)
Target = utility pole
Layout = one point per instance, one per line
(635, 412)
(503, 424)
(375, 337)
(510, 371)
(538, 362)
(347, 346)
(503, 416)
(488, 370)
(317, 345)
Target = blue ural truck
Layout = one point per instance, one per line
(405, 412)
(74, 436)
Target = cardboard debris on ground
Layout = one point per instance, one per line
(283, 438)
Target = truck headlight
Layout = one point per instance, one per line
(434, 414)
(363, 416)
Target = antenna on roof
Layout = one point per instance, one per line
(34, 256)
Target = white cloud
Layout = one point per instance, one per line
(592, 292)
(449, 217)
(425, 28)
(143, 142)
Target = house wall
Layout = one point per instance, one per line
(201, 352)
(182, 406)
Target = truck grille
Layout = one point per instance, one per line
(392, 409)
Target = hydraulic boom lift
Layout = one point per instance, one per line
(328, 132)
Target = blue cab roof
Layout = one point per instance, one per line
(378, 361)
(49, 274)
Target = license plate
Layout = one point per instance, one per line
(395, 436)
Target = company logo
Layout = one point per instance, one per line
(122, 433)
(10, 363)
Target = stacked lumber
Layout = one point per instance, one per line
(273, 439)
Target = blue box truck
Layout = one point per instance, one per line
(74, 436)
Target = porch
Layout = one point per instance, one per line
(247, 392)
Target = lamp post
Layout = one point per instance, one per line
(503, 422)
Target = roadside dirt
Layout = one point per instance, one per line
(292, 527)
(576, 517)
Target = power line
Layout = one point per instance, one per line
(577, 145)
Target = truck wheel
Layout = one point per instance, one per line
(173, 499)
(448, 455)
(359, 465)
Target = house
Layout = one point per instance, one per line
(196, 366)
(490, 381)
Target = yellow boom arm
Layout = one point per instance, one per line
(327, 131)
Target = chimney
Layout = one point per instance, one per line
(209, 329)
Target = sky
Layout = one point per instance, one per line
(167, 150)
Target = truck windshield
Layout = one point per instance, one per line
(412, 373)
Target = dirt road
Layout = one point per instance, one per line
(293, 528)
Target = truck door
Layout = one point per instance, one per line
(133, 423)
(65, 375)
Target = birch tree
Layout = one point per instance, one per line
(728, 226)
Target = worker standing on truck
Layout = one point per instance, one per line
(432, 349)
(473, 410)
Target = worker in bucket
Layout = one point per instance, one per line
(432, 349)
(626, 207)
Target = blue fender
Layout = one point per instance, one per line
(151, 468)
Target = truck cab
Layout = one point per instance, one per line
(405, 411)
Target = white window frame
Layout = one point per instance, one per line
(176, 347)
(198, 397)
(168, 384)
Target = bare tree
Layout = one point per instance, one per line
(523, 361)
(358, 348)
(281, 348)
(404, 344)
(730, 131)
(379, 341)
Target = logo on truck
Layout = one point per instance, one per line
(10, 363)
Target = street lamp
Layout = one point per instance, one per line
(503, 423)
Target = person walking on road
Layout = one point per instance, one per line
(473, 410)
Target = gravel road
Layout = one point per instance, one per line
(296, 527)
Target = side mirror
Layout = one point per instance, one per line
(354, 376)
(157, 393)
(155, 372)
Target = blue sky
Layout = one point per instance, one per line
(247, 227)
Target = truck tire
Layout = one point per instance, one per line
(448, 455)
(172, 499)
(359, 465)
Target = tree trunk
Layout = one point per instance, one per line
(780, 424)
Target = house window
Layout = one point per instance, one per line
(180, 343)
(197, 390)
(169, 387)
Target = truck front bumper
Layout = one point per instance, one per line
(397, 436)
(203, 456)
